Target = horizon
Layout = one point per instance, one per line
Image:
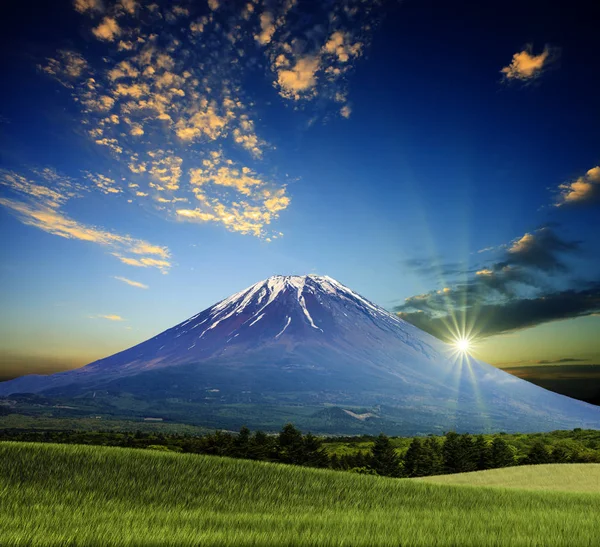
(156, 160)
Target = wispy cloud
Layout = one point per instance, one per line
(525, 66)
(108, 317)
(132, 283)
(36, 204)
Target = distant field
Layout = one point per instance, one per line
(62, 494)
(559, 477)
(24, 422)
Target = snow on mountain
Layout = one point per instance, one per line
(311, 340)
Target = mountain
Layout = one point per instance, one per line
(310, 350)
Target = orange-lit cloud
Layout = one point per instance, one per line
(526, 66)
(584, 189)
(170, 91)
(108, 317)
(136, 284)
(256, 204)
(88, 5)
(38, 205)
(107, 30)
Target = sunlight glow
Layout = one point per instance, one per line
(463, 344)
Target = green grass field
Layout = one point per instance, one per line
(583, 477)
(78, 495)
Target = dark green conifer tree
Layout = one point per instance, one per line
(260, 447)
(483, 453)
(290, 445)
(314, 455)
(467, 455)
(241, 444)
(433, 460)
(414, 466)
(452, 453)
(501, 454)
(384, 459)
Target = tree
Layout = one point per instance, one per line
(362, 459)
(241, 444)
(452, 453)
(314, 455)
(483, 453)
(413, 459)
(538, 454)
(217, 444)
(501, 454)
(384, 460)
(433, 459)
(560, 454)
(290, 445)
(467, 457)
(260, 446)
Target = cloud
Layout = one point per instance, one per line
(340, 45)
(583, 190)
(267, 28)
(541, 249)
(300, 79)
(67, 67)
(311, 58)
(144, 262)
(107, 30)
(562, 360)
(435, 267)
(52, 198)
(88, 5)
(510, 315)
(132, 283)
(165, 87)
(38, 205)
(525, 66)
(105, 184)
(345, 111)
(130, 6)
(259, 202)
(524, 287)
(108, 317)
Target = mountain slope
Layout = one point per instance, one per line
(309, 341)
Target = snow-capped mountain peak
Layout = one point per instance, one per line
(311, 339)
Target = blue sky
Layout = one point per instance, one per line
(439, 158)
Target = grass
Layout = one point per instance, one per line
(79, 495)
(583, 477)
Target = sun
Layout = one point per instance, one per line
(463, 344)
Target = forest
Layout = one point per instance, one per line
(381, 455)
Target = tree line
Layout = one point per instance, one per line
(453, 453)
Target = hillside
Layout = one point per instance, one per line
(56, 494)
(557, 477)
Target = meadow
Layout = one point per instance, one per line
(575, 477)
(83, 495)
